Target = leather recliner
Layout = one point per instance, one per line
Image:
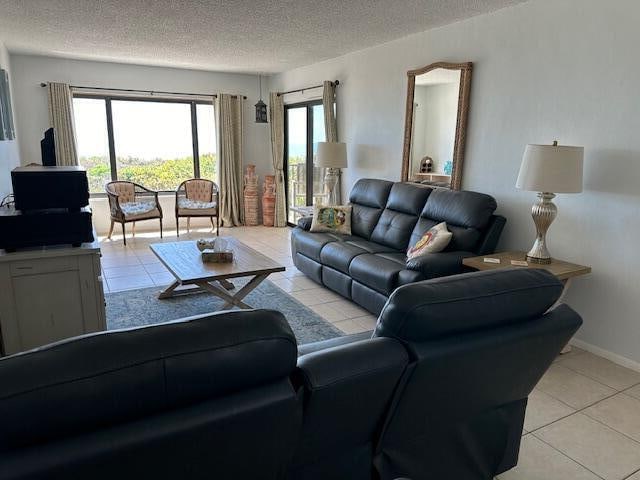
(438, 391)
(386, 219)
(207, 397)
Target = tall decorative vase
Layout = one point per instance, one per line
(269, 200)
(251, 196)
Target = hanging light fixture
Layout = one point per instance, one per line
(261, 107)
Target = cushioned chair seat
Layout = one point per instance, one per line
(187, 204)
(383, 272)
(196, 208)
(139, 210)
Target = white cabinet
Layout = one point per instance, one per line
(48, 294)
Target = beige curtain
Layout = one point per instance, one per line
(61, 119)
(230, 135)
(276, 119)
(328, 104)
(331, 132)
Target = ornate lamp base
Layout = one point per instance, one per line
(544, 211)
(332, 182)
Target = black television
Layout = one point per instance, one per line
(48, 149)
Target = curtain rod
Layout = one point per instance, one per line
(335, 83)
(43, 84)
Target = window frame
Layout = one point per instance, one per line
(308, 104)
(111, 138)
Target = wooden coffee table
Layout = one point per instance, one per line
(183, 260)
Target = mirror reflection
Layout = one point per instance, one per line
(435, 113)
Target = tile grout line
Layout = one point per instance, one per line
(559, 363)
(577, 410)
(567, 456)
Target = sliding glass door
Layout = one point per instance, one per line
(304, 128)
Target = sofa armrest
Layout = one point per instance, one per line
(332, 342)
(305, 223)
(327, 367)
(440, 264)
(492, 235)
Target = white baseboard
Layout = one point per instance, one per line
(601, 352)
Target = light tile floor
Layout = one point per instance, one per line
(583, 418)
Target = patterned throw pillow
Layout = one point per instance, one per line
(434, 240)
(332, 218)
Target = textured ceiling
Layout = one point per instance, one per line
(225, 35)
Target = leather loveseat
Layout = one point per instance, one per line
(437, 392)
(386, 218)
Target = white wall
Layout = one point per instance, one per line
(543, 70)
(32, 117)
(9, 157)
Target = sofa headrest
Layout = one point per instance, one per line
(101, 379)
(371, 192)
(465, 303)
(408, 198)
(462, 208)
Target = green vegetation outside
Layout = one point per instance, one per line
(158, 174)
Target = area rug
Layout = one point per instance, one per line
(133, 308)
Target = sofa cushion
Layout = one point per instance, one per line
(400, 215)
(468, 302)
(331, 219)
(461, 208)
(368, 198)
(381, 271)
(435, 240)
(338, 255)
(310, 244)
(369, 247)
(467, 214)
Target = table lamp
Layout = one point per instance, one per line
(546, 169)
(332, 156)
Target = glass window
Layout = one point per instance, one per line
(93, 143)
(305, 186)
(296, 160)
(319, 195)
(207, 142)
(153, 143)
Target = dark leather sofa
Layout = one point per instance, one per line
(387, 217)
(437, 392)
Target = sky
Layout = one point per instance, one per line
(145, 130)
(297, 137)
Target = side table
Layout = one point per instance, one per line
(564, 271)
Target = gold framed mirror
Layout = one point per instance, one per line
(435, 124)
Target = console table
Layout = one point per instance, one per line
(48, 294)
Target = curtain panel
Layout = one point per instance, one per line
(276, 120)
(230, 136)
(61, 119)
(331, 132)
(328, 104)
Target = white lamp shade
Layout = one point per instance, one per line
(331, 155)
(551, 168)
